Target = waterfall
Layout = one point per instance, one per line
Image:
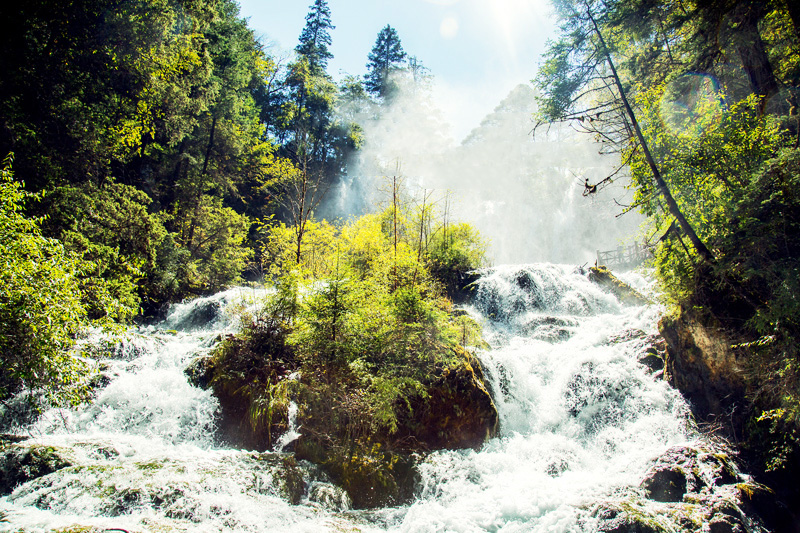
(581, 421)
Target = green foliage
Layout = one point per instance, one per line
(110, 225)
(366, 322)
(214, 237)
(45, 304)
(316, 38)
(253, 368)
(710, 166)
(737, 183)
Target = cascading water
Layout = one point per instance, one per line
(581, 422)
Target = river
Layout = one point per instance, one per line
(581, 421)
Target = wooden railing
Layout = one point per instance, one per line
(624, 256)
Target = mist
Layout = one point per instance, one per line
(522, 192)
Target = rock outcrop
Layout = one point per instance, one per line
(688, 488)
(459, 411)
(374, 465)
(456, 412)
(702, 365)
(21, 462)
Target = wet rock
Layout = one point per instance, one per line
(377, 479)
(278, 475)
(329, 496)
(200, 371)
(8, 438)
(665, 485)
(124, 501)
(725, 525)
(624, 292)
(702, 365)
(201, 315)
(597, 396)
(653, 362)
(20, 463)
(705, 480)
(550, 328)
(653, 356)
(556, 468)
(616, 521)
(459, 411)
(629, 525)
(98, 451)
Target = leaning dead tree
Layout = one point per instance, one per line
(583, 87)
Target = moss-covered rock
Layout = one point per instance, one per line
(459, 411)
(685, 470)
(624, 292)
(377, 467)
(615, 520)
(255, 375)
(665, 484)
(21, 462)
(244, 372)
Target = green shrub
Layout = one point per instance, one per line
(47, 299)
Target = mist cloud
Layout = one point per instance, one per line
(524, 194)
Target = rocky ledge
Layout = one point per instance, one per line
(689, 489)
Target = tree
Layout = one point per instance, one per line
(313, 138)
(157, 95)
(750, 47)
(384, 59)
(580, 66)
(44, 304)
(316, 37)
(302, 195)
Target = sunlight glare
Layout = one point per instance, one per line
(449, 27)
(511, 17)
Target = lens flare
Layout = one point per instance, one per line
(692, 103)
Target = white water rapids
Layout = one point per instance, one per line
(581, 420)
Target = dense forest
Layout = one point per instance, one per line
(161, 149)
(155, 150)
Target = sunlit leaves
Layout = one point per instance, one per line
(44, 304)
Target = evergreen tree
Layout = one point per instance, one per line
(316, 37)
(386, 56)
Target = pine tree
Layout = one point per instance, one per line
(386, 56)
(316, 37)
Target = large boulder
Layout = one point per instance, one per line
(21, 462)
(377, 467)
(702, 365)
(338, 416)
(459, 411)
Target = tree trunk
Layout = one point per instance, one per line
(672, 205)
(794, 13)
(753, 52)
(210, 145)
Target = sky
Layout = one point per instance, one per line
(477, 50)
